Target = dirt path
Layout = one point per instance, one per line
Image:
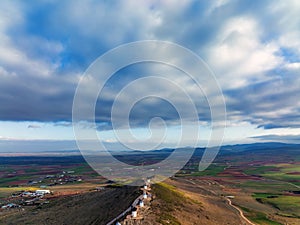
(235, 207)
(229, 202)
(198, 186)
(240, 212)
(297, 186)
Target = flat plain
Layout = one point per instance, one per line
(256, 184)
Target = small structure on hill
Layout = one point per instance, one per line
(10, 206)
(230, 196)
(141, 203)
(42, 192)
(100, 188)
(145, 195)
(134, 213)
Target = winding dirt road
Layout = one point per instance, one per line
(240, 212)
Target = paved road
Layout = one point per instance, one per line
(134, 204)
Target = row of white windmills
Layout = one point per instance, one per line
(141, 201)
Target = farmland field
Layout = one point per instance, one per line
(262, 183)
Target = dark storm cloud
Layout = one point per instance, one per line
(34, 99)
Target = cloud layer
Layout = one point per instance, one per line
(253, 48)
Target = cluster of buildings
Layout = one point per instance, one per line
(10, 206)
(26, 198)
(31, 193)
(58, 179)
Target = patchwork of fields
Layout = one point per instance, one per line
(263, 183)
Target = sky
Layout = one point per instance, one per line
(252, 48)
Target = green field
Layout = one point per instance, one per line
(5, 181)
(286, 172)
(276, 188)
(258, 217)
(267, 186)
(212, 170)
(283, 172)
(260, 170)
(288, 205)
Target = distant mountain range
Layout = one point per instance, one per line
(223, 150)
